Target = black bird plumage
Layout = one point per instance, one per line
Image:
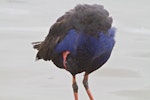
(86, 32)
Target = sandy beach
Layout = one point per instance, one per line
(126, 76)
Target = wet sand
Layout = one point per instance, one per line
(124, 77)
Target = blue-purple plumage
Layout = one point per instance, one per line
(94, 45)
(92, 51)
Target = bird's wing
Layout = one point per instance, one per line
(56, 33)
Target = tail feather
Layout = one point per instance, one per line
(37, 45)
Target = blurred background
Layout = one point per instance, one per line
(124, 77)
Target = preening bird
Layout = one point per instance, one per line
(79, 41)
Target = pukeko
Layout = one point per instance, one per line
(80, 41)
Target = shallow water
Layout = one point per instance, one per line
(124, 77)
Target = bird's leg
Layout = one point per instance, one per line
(74, 83)
(65, 54)
(75, 88)
(85, 83)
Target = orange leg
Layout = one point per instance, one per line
(85, 83)
(65, 54)
(75, 88)
(74, 84)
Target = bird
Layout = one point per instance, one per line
(79, 41)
